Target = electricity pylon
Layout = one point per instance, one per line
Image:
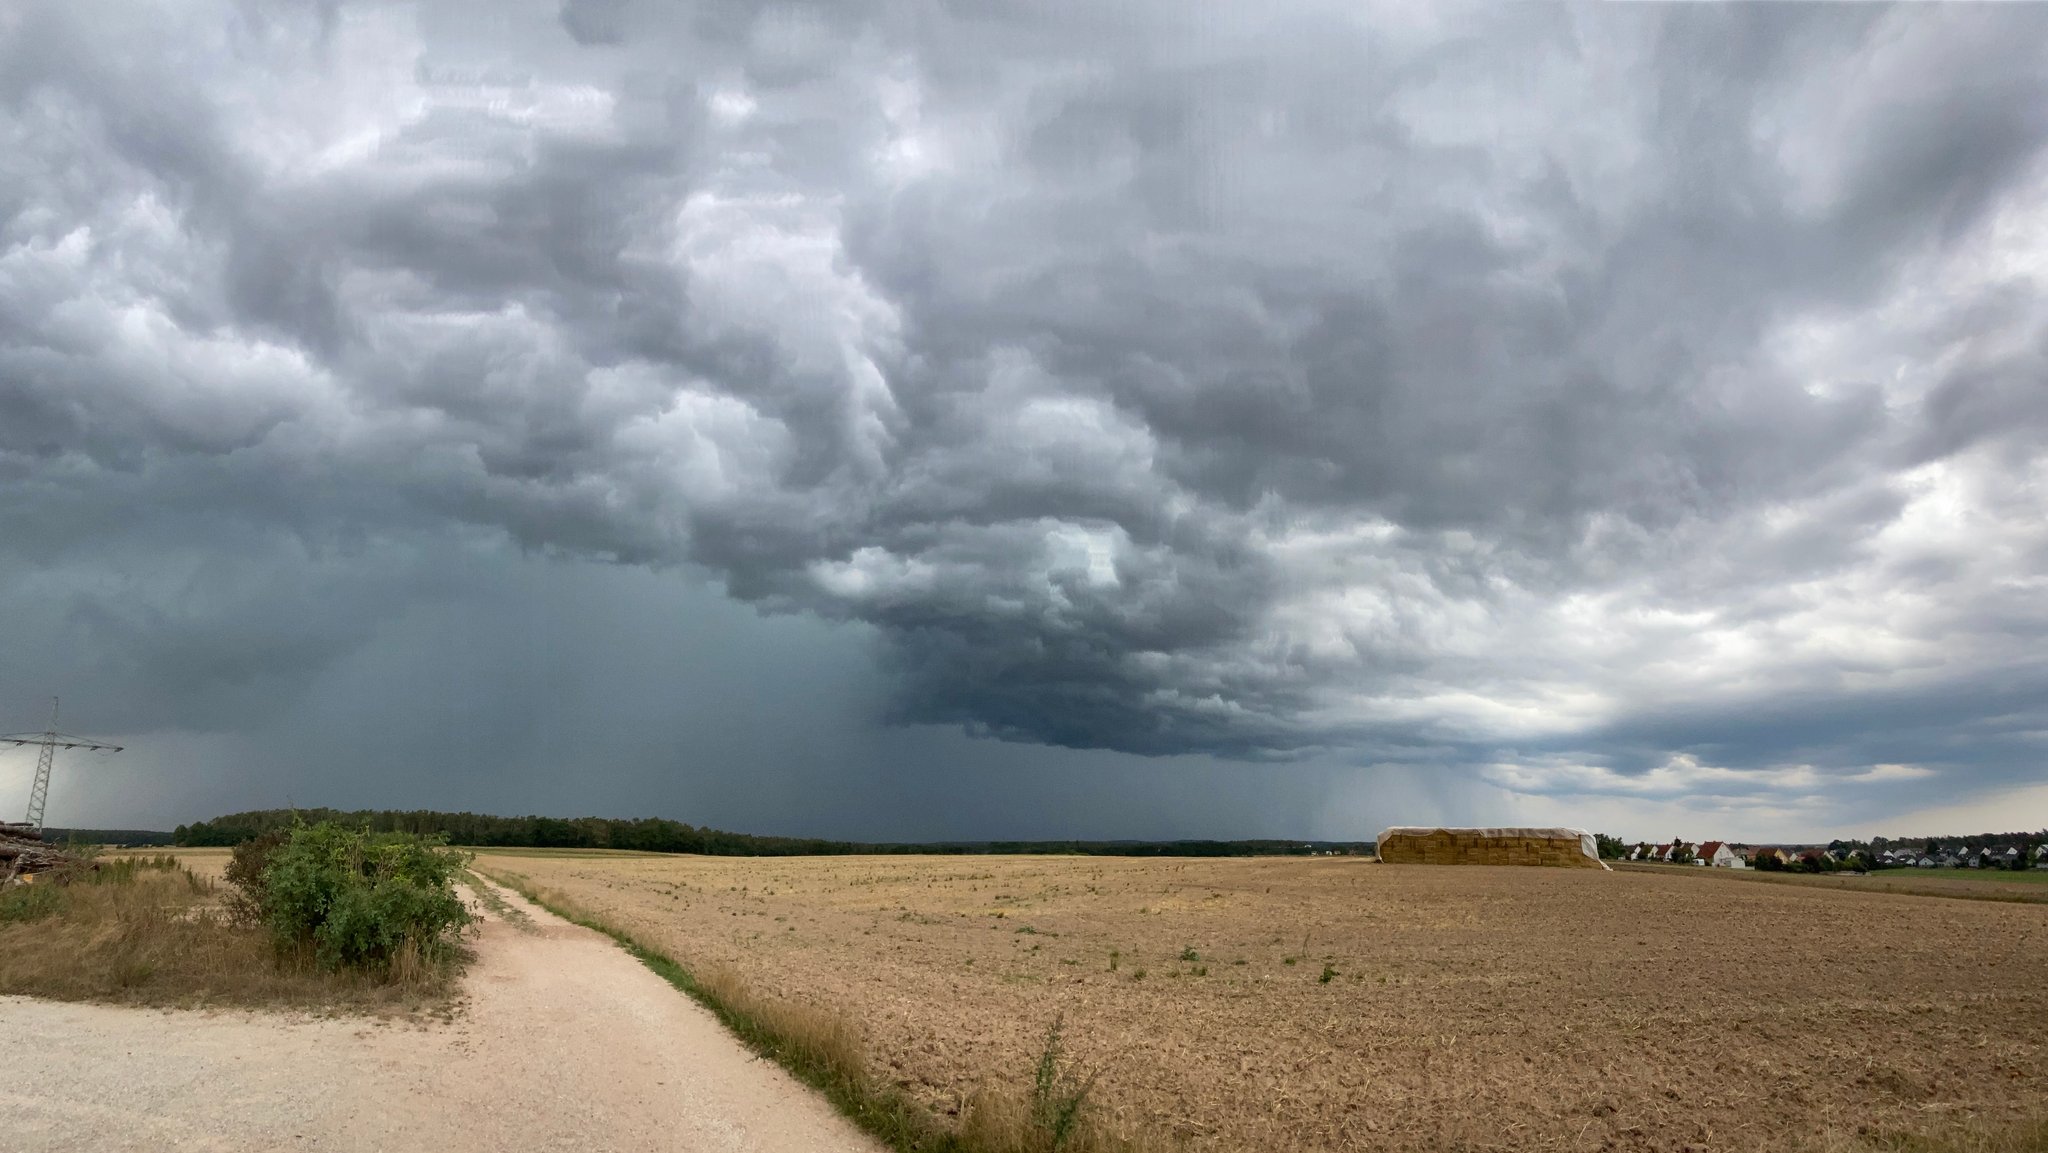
(50, 740)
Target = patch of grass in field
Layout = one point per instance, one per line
(2007, 876)
(1969, 1136)
(147, 931)
(2028, 887)
(824, 1050)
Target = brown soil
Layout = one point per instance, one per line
(1466, 1007)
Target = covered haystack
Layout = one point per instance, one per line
(1563, 848)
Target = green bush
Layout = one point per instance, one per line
(356, 899)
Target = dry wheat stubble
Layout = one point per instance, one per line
(1463, 1007)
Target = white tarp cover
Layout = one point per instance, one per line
(1587, 844)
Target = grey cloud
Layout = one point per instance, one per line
(1428, 385)
(595, 21)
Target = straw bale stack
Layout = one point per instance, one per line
(1558, 848)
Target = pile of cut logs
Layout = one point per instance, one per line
(23, 850)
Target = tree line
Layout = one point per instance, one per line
(654, 834)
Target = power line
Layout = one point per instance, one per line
(49, 741)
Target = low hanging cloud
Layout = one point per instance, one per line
(1619, 400)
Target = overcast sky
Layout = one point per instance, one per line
(917, 420)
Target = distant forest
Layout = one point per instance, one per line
(660, 836)
(108, 836)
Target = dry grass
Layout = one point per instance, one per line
(1004, 1119)
(143, 934)
(812, 1035)
(209, 864)
(1466, 1008)
(1053, 1114)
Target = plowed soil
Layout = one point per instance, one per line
(1341, 1004)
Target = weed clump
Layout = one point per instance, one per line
(1055, 1115)
(1058, 1094)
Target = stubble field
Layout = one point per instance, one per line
(1340, 1004)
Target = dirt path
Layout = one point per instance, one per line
(564, 1042)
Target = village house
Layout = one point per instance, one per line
(1716, 854)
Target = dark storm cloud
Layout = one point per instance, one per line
(1563, 389)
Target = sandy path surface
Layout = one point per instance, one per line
(563, 1042)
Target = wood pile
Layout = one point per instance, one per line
(1558, 848)
(23, 851)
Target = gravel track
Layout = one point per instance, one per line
(562, 1041)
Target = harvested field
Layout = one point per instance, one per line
(1340, 1004)
(208, 864)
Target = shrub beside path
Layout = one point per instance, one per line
(561, 1041)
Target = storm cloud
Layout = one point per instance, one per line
(1618, 402)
